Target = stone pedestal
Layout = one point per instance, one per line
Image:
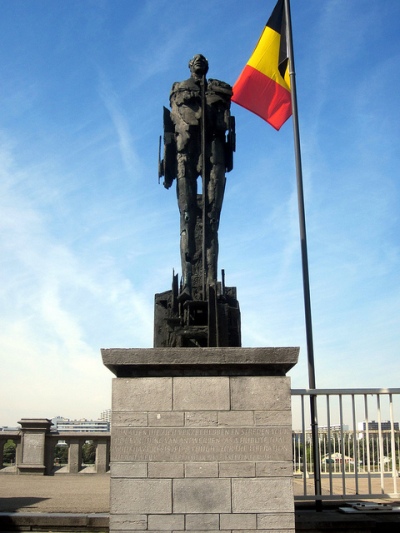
(201, 439)
(33, 445)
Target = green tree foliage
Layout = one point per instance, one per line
(9, 452)
(61, 455)
(89, 453)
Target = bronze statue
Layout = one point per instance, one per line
(199, 141)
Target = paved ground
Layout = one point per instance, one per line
(90, 493)
(81, 493)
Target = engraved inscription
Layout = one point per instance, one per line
(200, 444)
(33, 449)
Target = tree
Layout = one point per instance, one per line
(61, 454)
(89, 453)
(9, 452)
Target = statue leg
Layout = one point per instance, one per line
(215, 196)
(187, 201)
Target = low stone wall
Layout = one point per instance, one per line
(35, 446)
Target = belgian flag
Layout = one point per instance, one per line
(263, 87)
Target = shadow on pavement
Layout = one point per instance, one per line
(11, 505)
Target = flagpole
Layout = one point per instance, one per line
(304, 256)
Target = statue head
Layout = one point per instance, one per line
(198, 66)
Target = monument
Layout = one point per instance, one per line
(199, 141)
(200, 427)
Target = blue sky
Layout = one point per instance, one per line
(88, 236)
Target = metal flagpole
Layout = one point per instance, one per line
(304, 256)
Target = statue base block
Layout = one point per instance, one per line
(201, 439)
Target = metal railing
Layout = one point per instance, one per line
(358, 440)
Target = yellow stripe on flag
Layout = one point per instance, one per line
(265, 57)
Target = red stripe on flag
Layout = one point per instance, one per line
(263, 96)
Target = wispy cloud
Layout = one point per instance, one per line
(121, 126)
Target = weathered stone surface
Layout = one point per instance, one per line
(273, 418)
(201, 393)
(131, 362)
(238, 521)
(201, 418)
(128, 522)
(202, 522)
(276, 521)
(260, 393)
(166, 523)
(274, 469)
(201, 469)
(166, 419)
(129, 418)
(202, 496)
(141, 496)
(237, 469)
(262, 495)
(128, 469)
(236, 418)
(165, 470)
(142, 394)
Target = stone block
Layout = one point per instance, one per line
(260, 393)
(165, 470)
(201, 469)
(274, 469)
(201, 393)
(262, 495)
(238, 521)
(201, 419)
(141, 496)
(128, 522)
(129, 419)
(128, 470)
(166, 523)
(202, 522)
(276, 521)
(142, 394)
(166, 419)
(237, 469)
(273, 418)
(236, 418)
(201, 495)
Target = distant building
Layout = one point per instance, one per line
(106, 415)
(374, 426)
(83, 425)
(333, 427)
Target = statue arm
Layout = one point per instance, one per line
(167, 167)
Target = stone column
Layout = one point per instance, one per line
(102, 455)
(33, 442)
(74, 455)
(201, 439)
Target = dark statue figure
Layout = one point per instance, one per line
(199, 141)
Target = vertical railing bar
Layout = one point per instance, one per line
(368, 443)
(303, 431)
(392, 445)
(355, 451)
(342, 444)
(381, 464)
(329, 444)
